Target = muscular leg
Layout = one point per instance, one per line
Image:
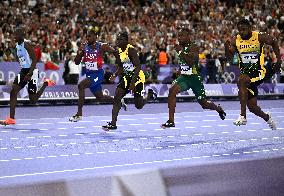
(254, 108)
(82, 86)
(34, 97)
(209, 105)
(13, 99)
(119, 94)
(244, 81)
(174, 90)
(139, 102)
(103, 98)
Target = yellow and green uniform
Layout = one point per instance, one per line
(251, 61)
(189, 78)
(128, 73)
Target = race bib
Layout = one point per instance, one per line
(249, 57)
(128, 66)
(91, 65)
(186, 70)
(22, 61)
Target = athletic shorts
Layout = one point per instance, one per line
(253, 90)
(32, 84)
(125, 82)
(193, 82)
(96, 78)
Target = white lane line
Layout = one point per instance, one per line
(62, 128)
(206, 126)
(24, 130)
(79, 127)
(26, 124)
(153, 123)
(127, 164)
(198, 134)
(31, 146)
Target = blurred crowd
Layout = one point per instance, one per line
(57, 28)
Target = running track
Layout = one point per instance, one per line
(44, 146)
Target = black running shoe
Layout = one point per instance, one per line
(151, 95)
(222, 113)
(168, 124)
(109, 126)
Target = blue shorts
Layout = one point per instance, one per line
(96, 78)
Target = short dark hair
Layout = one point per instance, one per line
(244, 21)
(124, 34)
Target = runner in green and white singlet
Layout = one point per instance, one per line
(189, 78)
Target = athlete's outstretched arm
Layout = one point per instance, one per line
(191, 58)
(32, 55)
(230, 49)
(269, 40)
(135, 60)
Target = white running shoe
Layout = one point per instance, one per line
(75, 118)
(123, 104)
(240, 121)
(271, 122)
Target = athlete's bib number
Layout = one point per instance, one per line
(249, 58)
(91, 65)
(22, 61)
(186, 70)
(128, 67)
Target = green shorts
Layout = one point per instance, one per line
(193, 82)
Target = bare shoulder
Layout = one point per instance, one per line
(132, 51)
(178, 48)
(28, 44)
(194, 47)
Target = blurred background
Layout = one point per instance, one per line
(57, 28)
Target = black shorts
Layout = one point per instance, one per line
(19, 80)
(125, 82)
(253, 90)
